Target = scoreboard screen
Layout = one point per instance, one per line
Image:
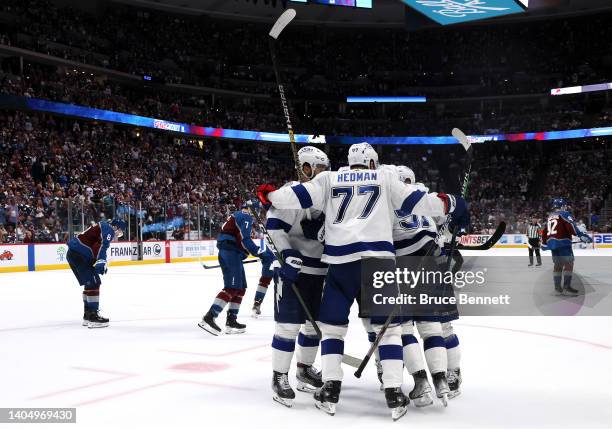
(350, 3)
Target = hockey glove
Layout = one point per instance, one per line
(262, 194)
(457, 208)
(290, 270)
(312, 227)
(267, 257)
(100, 267)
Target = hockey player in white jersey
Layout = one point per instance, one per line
(295, 235)
(415, 235)
(358, 206)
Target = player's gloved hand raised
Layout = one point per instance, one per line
(262, 194)
(266, 256)
(290, 270)
(457, 208)
(100, 267)
(312, 227)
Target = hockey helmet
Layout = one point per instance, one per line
(362, 154)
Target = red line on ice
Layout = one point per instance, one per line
(119, 376)
(153, 386)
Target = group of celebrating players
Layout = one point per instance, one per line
(324, 228)
(321, 230)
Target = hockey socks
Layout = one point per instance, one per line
(262, 288)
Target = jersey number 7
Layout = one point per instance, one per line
(346, 193)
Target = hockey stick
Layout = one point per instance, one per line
(276, 30)
(210, 267)
(462, 138)
(278, 27)
(493, 239)
(456, 133)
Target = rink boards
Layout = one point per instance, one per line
(52, 256)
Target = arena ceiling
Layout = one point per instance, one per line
(385, 13)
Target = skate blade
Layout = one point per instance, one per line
(305, 387)
(209, 329)
(399, 412)
(286, 402)
(93, 325)
(424, 401)
(255, 315)
(567, 293)
(328, 407)
(454, 394)
(231, 331)
(85, 323)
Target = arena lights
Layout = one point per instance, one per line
(350, 3)
(21, 103)
(580, 89)
(386, 99)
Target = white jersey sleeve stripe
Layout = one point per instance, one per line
(277, 224)
(412, 200)
(303, 196)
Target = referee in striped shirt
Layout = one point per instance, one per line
(533, 237)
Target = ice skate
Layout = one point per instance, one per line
(309, 379)
(397, 401)
(421, 394)
(441, 386)
(92, 319)
(558, 290)
(256, 312)
(208, 324)
(327, 396)
(283, 393)
(570, 291)
(232, 326)
(453, 376)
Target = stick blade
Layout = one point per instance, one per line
(351, 361)
(461, 137)
(282, 22)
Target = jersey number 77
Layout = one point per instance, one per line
(372, 192)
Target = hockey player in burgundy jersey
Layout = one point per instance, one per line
(557, 237)
(87, 259)
(234, 244)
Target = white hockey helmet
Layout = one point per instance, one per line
(362, 154)
(313, 157)
(405, 173)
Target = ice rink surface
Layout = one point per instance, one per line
(153, 367)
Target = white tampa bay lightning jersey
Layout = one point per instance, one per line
(285, 229)
(359, 207)
(411, 232)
